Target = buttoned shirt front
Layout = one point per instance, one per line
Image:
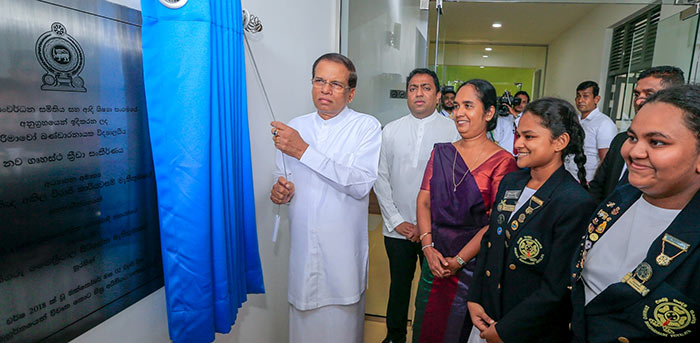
(600, 131)
(328, 257)
(406, 146)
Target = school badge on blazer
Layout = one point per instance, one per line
(528, 250)
(669, 318)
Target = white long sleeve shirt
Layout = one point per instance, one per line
(328, 257)
(406, 146)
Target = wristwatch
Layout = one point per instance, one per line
(460, 261)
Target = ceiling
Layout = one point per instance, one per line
(523, 23)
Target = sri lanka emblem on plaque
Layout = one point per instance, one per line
(62, 58)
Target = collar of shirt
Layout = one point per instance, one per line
(425, 120)
(338, 118)
(590, 116)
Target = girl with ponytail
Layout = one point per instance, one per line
(519, 291)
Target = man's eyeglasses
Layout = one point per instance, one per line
(335, 85)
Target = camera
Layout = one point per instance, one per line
(509, 100)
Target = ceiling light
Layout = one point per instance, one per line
(496, 25)
(485, 56)
(488, 49)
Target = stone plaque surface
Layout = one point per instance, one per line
(79, 237)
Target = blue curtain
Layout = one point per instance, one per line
(194, 74)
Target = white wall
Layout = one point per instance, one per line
(581, 53)
(675, 39)
(382, 66)
(295, 34)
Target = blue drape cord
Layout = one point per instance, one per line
(194, 73)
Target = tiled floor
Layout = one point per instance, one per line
(378, 290)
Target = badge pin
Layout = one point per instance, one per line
(593, 237)
(664, 260)
(643, 272)
(512, 195)
(537, 200)
(514, 225)
(615, 211)
(610, 204)
(499, 231)
(588, 244)
(635, 284)
(595, 221)
(591, 228)
(501, 218)
(521, 217)
(507, 234)
(601, 228)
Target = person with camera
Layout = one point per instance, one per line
(509, 112)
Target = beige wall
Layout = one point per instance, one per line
(581, 53)
(515, 56)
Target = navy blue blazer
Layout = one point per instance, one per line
(522, 270)
(656, 302)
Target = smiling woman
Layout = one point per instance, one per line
(650, 228)
(662, 149)
(519, 293)
(453, 206)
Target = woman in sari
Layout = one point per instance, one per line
(459, 186)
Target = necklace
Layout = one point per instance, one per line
(454, 163)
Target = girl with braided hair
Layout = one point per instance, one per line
(519, 289)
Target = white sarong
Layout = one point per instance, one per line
(331, 323)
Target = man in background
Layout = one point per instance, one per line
(406, 146)
(448, 101)
(613, 168)
(599, 129)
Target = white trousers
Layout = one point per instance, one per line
(332, 323)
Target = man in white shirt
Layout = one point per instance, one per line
(504, 133)
(330, 165)
(447, 101)
(406, 146)
(599, 129)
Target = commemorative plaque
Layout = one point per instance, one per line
(79, 237)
